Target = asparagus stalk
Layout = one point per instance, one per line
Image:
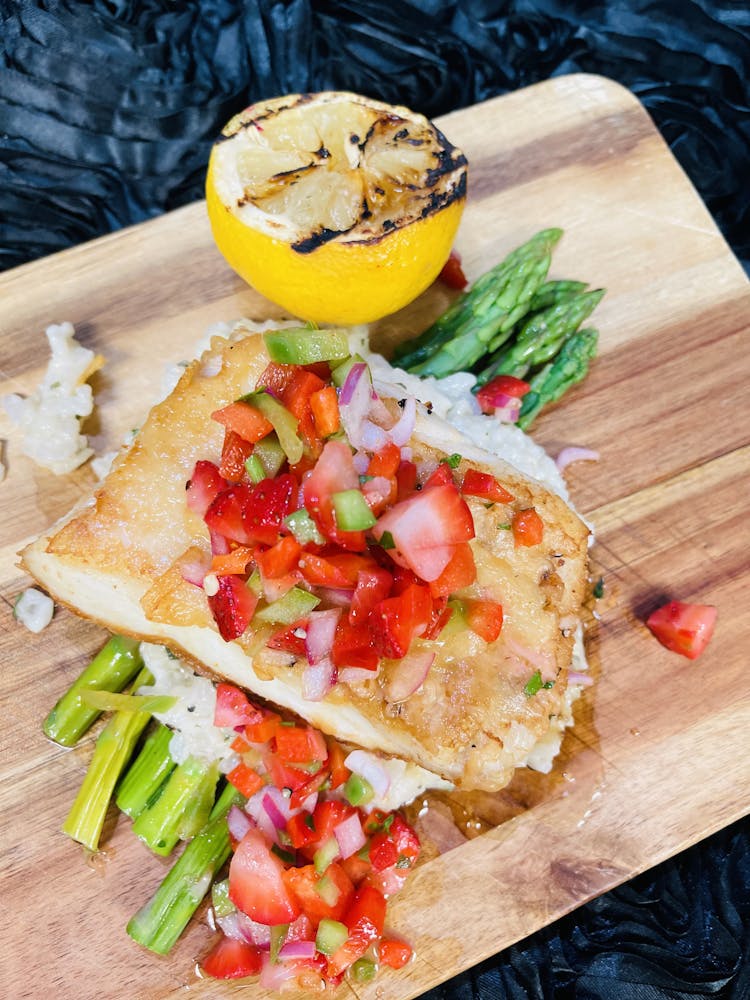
(541, 336)
(144, 778)
(487, 311)
(160, 826)
(113, 667)
(553, 292)
(159, 923)
(566, 370)
(113, 749)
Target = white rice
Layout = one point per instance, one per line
(34, 609)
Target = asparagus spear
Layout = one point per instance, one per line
(113, 667)
(146, 775)
(113, 749)
(566, 370)
(541, 336)
(490, 308)
(160, 826)
(553, 292)
(158, 924)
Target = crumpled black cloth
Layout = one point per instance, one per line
(107, 112)
(108, 108)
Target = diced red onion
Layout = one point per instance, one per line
(297, 949)
(349, 836)
(509, 413)
(408, 676)
(576, 677)
(406, 453)
(372, 437)
(341, 598)
(309, 804)
(238, 822)
(321, 630)
(575, 454)
(379, 412)
(273, 812)
(254, 809)
(361, 462)
(193, 570)
(318, 680)
(351, 382)
(281, 803)
(273, 975)
(403, 429)
(542, 661)
(376, 489)
(369, 767)
(355, 675)
(240, 927)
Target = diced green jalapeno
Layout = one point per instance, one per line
(303, 346)
(295, 604)
(351, 511)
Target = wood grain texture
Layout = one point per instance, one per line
(657, 759)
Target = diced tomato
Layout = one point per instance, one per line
(287, 640)
(395, 621)
(204, 486)
(485, 618)
(233, 562)
(300, 830)
(452, 273)
(231, 959)
(280, 559)
(263, 730)
(352, 647)
(425, 527)
(232, 607)
(356, 868)
(527, 527)
(683, 628)
(386, 462)
(249, 514)
(439, 476)
(283, 775)
(314, 784)
(245, 780)
(482, 484)
(333, 472)
(302, 883)
(256, 883)
(383, 852)
(325, 410)
(460, 572)
(245, 420)
(495, 393)
(339, 772)
(364, 918)
(239, 744)
(406, 478)
(276, 377)
(394, 953)
(373, 586)
(329, 814)
(233, 454)
(233, 708)
(339, 571)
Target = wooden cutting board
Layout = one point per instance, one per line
(658, 756)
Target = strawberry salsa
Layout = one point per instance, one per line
(326, 534)
(311, 869)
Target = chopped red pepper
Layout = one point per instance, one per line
(485, 618)
(245, 780)
(231, 959)
(234, 453)
(528, 528)
(394, 953)
(244, 420)
(485, 486)
(232, 607)
(452, 274)
(233, 708)
(683, 628)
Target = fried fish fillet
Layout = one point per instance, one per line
(118, 559)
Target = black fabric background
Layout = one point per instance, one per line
(107, 112)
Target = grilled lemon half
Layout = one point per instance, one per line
(339, 208)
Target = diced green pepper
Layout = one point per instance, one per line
(295, 604)
(358, 791)
(338, 374)
(328, 891)
(255, 469)
(220, 900)
(284, 423)
(326, 853)
(278, 937)
(254, 583)
(303, 346)
(363, 970)
(331, 935)
(270, 454)
(303, 528)
(351, 511)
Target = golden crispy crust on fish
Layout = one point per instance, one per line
(117, 560)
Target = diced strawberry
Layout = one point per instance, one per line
(231, 959)
(287, 639)
(303, 883)
(395, 621)
(233, 708)
(406, 479)
(249, 514)
(452, 273)
(352, 647)
(256, 883)
(373, 586)
(441, 476)
(482, 484)
(383, 852)
(232, 607)
(204, 486)
(460, 572)
(333, 473)
(425, 527)
(276, 378)
(406, 840)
